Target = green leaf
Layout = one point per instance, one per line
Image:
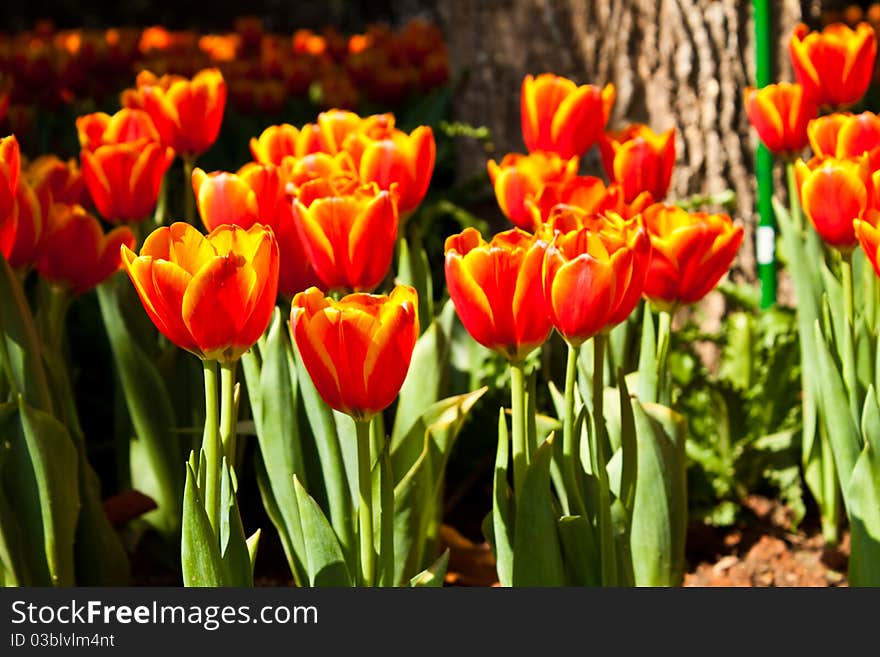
(647, 384)
(582, 558)
(325, 561)
(413, 502)
(199, 550)
(864, 516)
(296, 560)
(152, 415)
(413, 269)
(659, 517)
(502, 513)
(537, 554)
(834, 403)
(434, 575)
(253, 543)
(234, 550)
(40, 477)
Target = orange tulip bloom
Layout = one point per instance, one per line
(496, 289)
(211, 295)
(29, 219)
(588, 194)
(256, 195)
(298, 171)
(187, 113)
(74, 251)
(279, 141)
(640, 160)
(690, 253)
(127, 125)
(780, 114)
(356, 350)
(348, 232)
(520, 180)
(10, 170)
(833, 193)
(594, 271)
(846, 136)
(835, 65)
(560, 117)
(387, 156)
(63, 180)
(124, 179)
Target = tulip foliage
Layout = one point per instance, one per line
(832, 211)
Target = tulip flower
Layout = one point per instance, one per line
(780, 114)
(348, 234)
(127, 125)
(187, 112)
(387, 156)
(62, 179)
(588, 194)
(640, 160)
(690, 253)
(29, 218)
(124, 179)
(10, 169)
(356, 350)
(496, 290)
(594, 271)
(211, 295)
(833, 193)
(280, 141)
(845, 136)
(560, 117)
(256, 195)
(335, 125)
(521, 179)
(835, 65)
(75, 253)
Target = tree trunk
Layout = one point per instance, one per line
(673, 62)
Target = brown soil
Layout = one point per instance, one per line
(762, 550)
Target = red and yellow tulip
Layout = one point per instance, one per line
(833, 193)
(496, 289)
(594, 270)
(561, 117)
(10, 170)
(212, 295)
(835, 66)
(640, 160)
(846, 136)
(75, 253)
(356, 350)
(690, 253)
(780, 113)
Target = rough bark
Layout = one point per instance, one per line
(674, 62)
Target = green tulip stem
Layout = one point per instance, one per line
(228, 410)
(211, 446)
(570, 441)
(664, 326)
(794, 203)
(365, 504)
(518, 417)
(162, 202)
(848, 355)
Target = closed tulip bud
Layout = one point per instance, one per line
(833, 193)
(348, 234)
(62, 179)
(780, 114)
(124, 179)
(356, 350)
(256, 194)
(212, 295)
(835, 65)
(496, 289)
(560, 117)
(187, 112)
(594, 271)
(690, 253)
(74, 251)
(845, 136)
(640, 160)
(520, 180)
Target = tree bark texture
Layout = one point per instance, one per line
(682, 63)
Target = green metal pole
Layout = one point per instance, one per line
(765, 236)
